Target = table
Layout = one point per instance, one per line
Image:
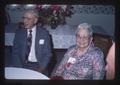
(22, 73)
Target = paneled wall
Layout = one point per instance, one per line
(100, 16)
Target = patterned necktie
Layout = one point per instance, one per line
(29, 42)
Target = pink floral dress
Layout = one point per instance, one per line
(90, 66)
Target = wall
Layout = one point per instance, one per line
(101, 17)
(104, 24)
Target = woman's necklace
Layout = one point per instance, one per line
(81, 52)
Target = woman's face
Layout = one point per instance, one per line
(83, 39)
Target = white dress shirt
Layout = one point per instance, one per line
(32, 56)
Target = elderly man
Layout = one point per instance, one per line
(32, 46)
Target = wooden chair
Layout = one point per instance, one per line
(103, 42)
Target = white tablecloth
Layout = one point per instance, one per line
(22, 73)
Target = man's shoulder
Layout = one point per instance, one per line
(19, 30)
(42, 30)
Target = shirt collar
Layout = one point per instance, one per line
(33, 29)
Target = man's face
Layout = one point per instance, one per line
(29, 20)
(83, 39)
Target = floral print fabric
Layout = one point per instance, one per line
(89, 66)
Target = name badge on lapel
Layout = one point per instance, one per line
(41, 41)
(70, 63)
(71, 60)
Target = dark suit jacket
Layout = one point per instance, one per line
(43, 51)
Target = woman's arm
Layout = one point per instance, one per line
(98, 66)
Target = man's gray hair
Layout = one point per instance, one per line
(34, 12)
(85, 26)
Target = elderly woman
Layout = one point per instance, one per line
(82, 61)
